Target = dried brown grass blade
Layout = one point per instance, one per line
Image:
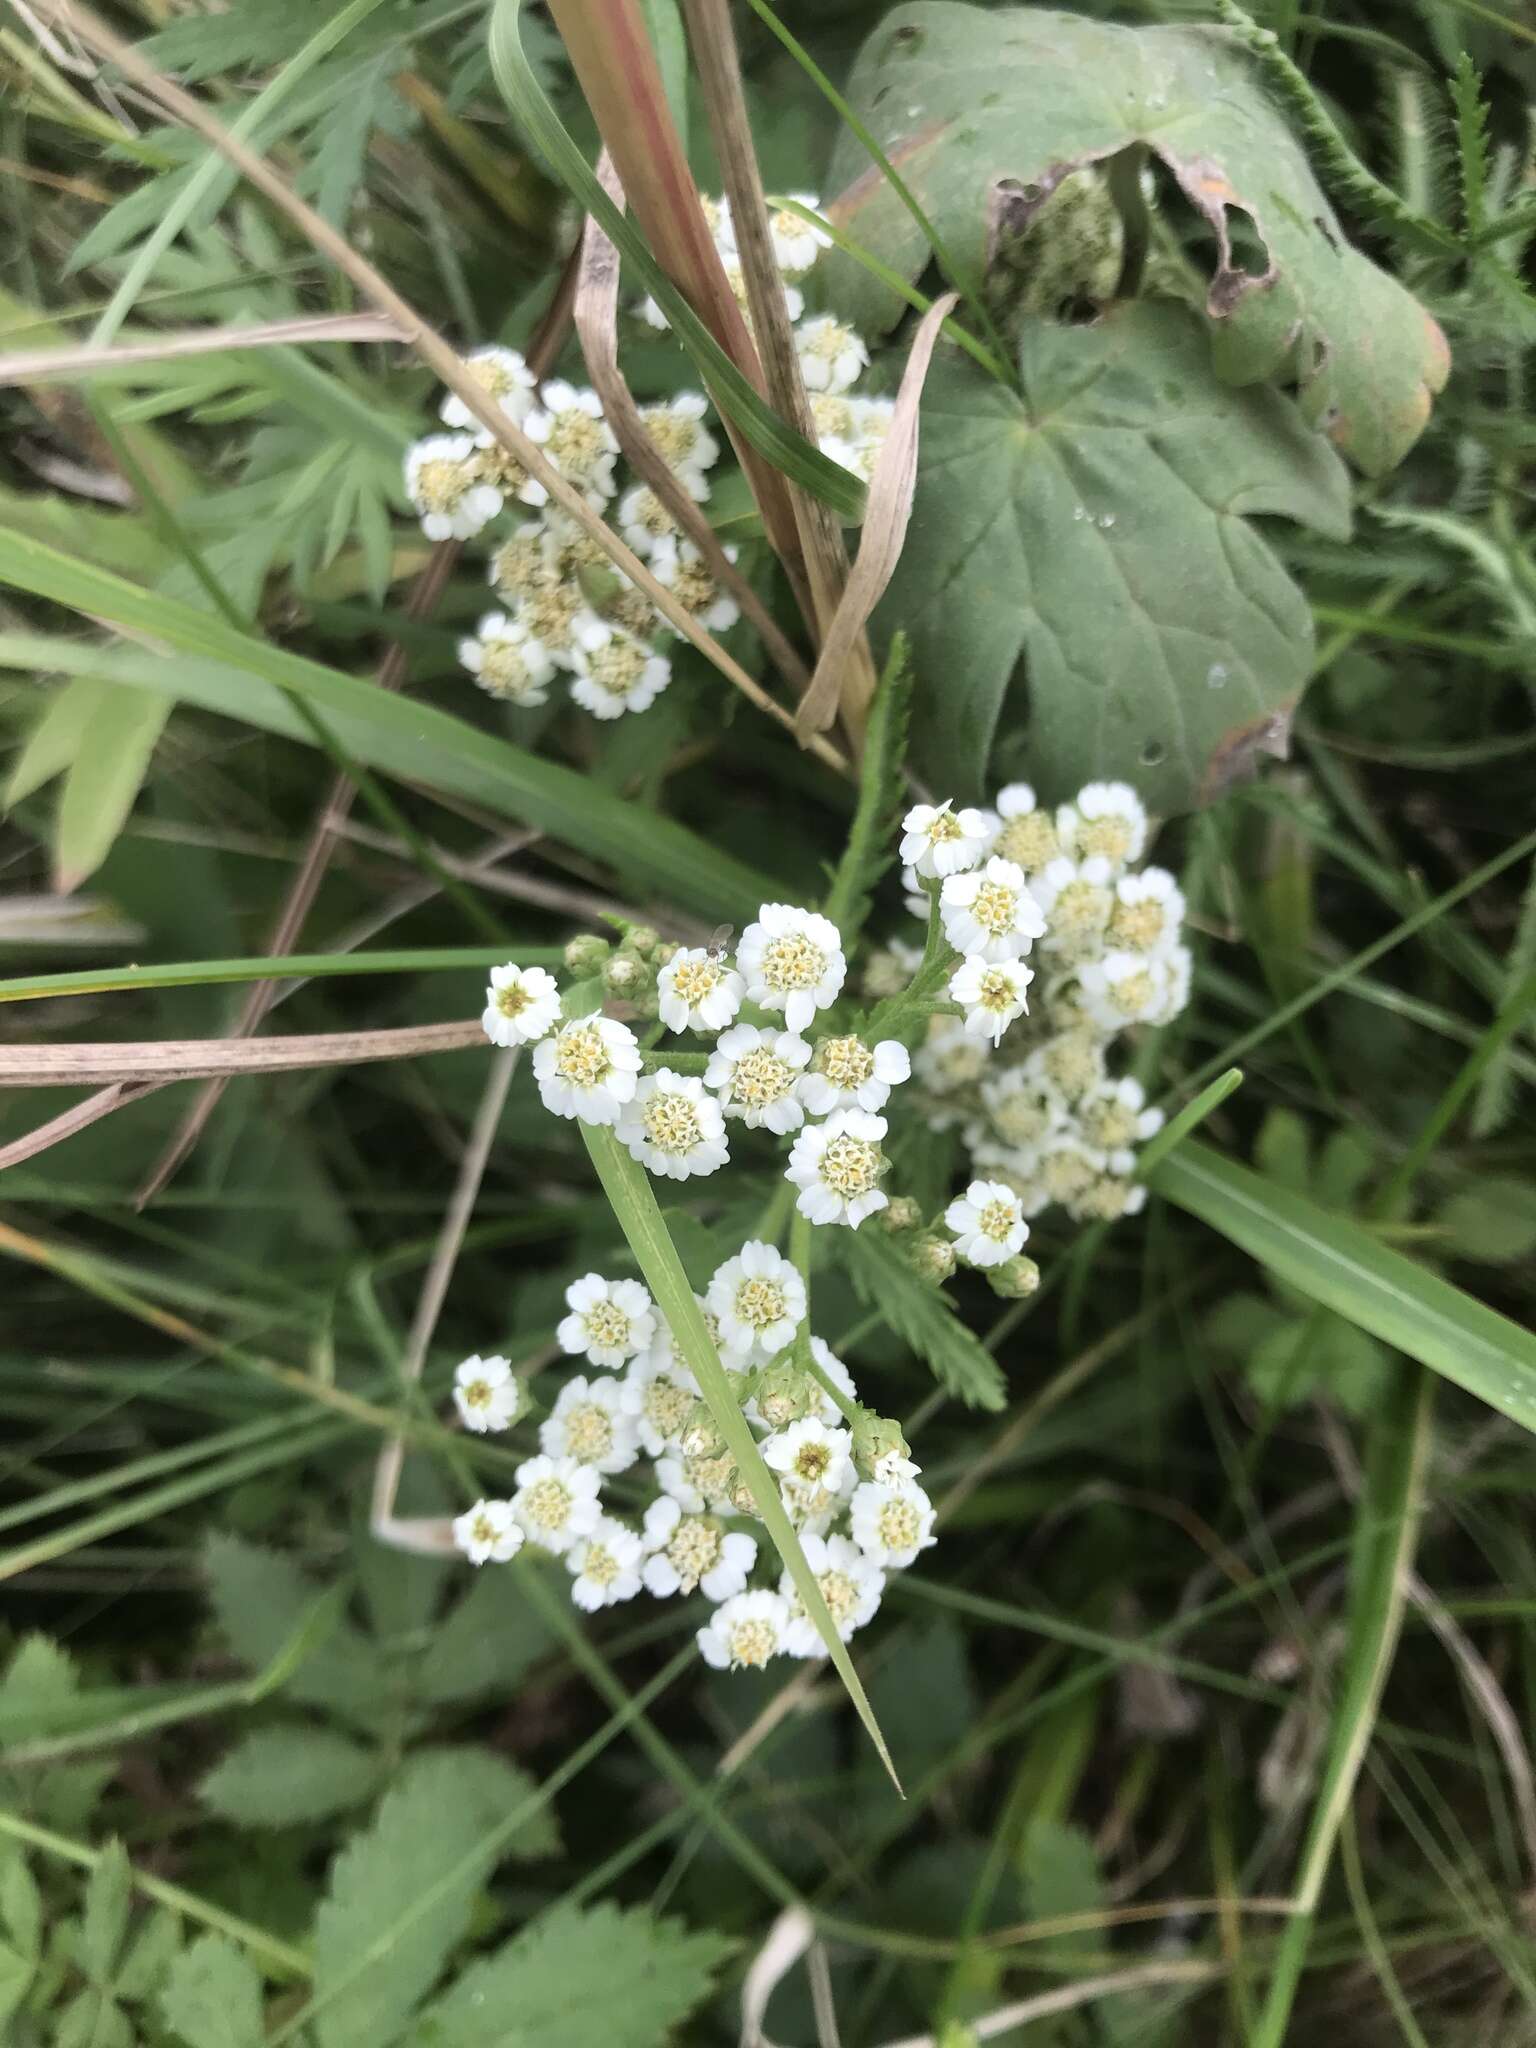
(190, 1059)
(597, 307)
(887, 514)
(32, 364)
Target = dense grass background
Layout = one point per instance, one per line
(1129, 1692)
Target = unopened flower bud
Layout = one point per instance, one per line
(880, 1451)
(642, 939)
(1015, 1279)
(587, 953)
(901, 1212)
(786, 1393)
(741, 1497)
(932, 1257)
(628, 977)
(701, 1434)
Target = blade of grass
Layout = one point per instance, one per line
(273, 967)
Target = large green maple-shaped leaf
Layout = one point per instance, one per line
(984, 112)
(1098, 530)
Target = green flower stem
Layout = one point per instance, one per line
(898, 1015)
(634, 1204)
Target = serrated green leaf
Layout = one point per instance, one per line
(15, 1975)
(1492, 1221)
(1096, 531)
(963, 99)
(922, 1315)
(576, 1978)
(21, 1905)
(261, 1600)
(149, 1955)
(280, 1777)
(103, 780)
(212, 1998)
(67, 716)
(400, 1895)
(104, 1921)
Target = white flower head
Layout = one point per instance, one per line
(891, 1524)
(678, 565)
(604, 1565)
(610, 1320)
(949, 1062)
(860, 432)
(612, 671)
(992, 993)
(522, 1005)
(837, 1166)
(588, 1069)
(1148, 913)
(1078, 898)
(988, 1223)
(507, 662)
(1065, 1170)
(1126, 988)
(678, 430)
(938, 840)
(643, 520)
(487, 1394)
(569, 426)
(745, 1631)
(1070, 1062)
(792, 961)
(488, 1533)
(758, 1298)
(1107, 819)
(660, 1392)
(1022, 1108)
(504, 376)
(851, 1585)
(796, 243)
(593, 1422)
(832, 355)
(684, 1551)
(755, 1073)
(988, 912)
(673, 1126)
(1026, 833)
(556, 1502)
(445, 480)
(1115, 1116)
(698, 991)
(848, 1073)
(811, 1458)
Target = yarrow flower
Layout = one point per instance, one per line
(604, 1565)
(613, 671)
(810, 1457)
(988, 1223)
(992, 994)
(685, 1551)
(556, 1502)
(837, 1167)
(759, 1300)
(577, 439)
(755, 1073)
(593, 1422)
(522, 1005)
(1108, 820)
(610, 1320)
(673, 1127)
(832, 355)
(850, 1583)
(747, 1630)
(891, 1524)
(847, 1073)
(504, 376)
(487, 1394)
(792, 961)
(988, 913)
(661, 1392)
(445, 480)
(507, 662)
(588, 1069)
(1026, 834)
(697, 991)
(488, 1533)
(938, 841)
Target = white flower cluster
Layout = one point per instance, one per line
(844, 1474)
(1044, 1118)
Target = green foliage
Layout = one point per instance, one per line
(212, 1997)
(279, 1777)
(922, 1315)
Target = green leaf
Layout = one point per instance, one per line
(1337, 1264)
(963, 99)
(922, 1315)
(487, 1644)
(1491, 1221)
(576, 1978)
(261, 1599)
(15, 1976)
(279, 1777)
(105, 1920)
(212, 1998)
(401, 1894)
(1059, 1872)
(56, 738)
(1098, 528)
(405, 738)
(103, 781)
(872, 839)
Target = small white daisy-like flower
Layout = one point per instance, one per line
(522, 1005)
(1026, 833)
(612, 671)
(988, 1223)
(643, 520)
(588, 1069)
(678, 565)
(604, 1565)
(673, 1126)
(850, 1583)
(445, 481)
(1071, 1063)
(832, 356)
(569, 425)
(755, 1074)
(1148, 912)
(528, 562)
(993, 994)
(848, 1073)
(609, 1321)
(988, 912)
(1064, 1171)
(796, 243)
(745, 1631)
(488, 1533)
(949, 1062)
(685, 1551)
(678, 1481)
(487, 1394)
(507, 662)
(837, 1167)
(891, 1524)
(1108, 1198)
(698, 991)
(792, 961)
(1022, 1106)
(505, 377)
(556, 1502)
(678, 430)
(1115, 1116)
(1107, 819)
(593, 1422)
(862, 433)
(810, 1457)
(1078, 899)
(759, 1298)
(892, 1469)
(938, 840)
(1125, 988)
(660, 1393)
(1181, 969)
(736, 278)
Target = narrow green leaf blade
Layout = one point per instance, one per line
(103, 780)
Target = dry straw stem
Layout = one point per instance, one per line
(849, 686)
(434, 351)
(191, 1059)
(33, 364)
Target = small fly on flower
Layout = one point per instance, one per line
(720, 940)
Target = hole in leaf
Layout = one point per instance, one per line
(1152, 754)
